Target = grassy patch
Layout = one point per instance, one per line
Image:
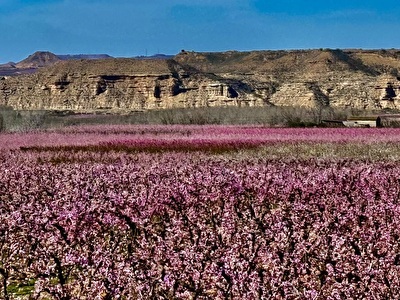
(21, 288)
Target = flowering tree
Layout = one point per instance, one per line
(80, 223)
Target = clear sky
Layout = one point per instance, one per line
(139, 27)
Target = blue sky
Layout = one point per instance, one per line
(131, 27)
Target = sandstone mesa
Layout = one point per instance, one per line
(362, 79)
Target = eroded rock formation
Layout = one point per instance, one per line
(309, 78)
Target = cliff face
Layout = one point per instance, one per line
(312, 78)
(119, 84)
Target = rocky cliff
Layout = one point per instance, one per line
(364, 79)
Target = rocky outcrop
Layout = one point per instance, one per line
(314, 78)
(119, 85)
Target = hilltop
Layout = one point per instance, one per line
(41, 59)
(293, 61)
(38, 60)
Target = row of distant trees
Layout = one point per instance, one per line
(13, 120)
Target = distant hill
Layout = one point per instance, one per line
(41, 59)
(38, 59)
(8, 65)
(83, 56)
(8, 69)
(155, 56)
(30, 64)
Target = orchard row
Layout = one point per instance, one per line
(190, 225)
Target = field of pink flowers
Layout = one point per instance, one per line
(200, 212)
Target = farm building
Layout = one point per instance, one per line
(362, 121)
(373, 121)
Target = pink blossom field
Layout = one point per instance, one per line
(200, 212)
(89, 135)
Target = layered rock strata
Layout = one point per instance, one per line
(314, 78)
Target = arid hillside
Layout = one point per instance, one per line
(362, 79)
(294, 61)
